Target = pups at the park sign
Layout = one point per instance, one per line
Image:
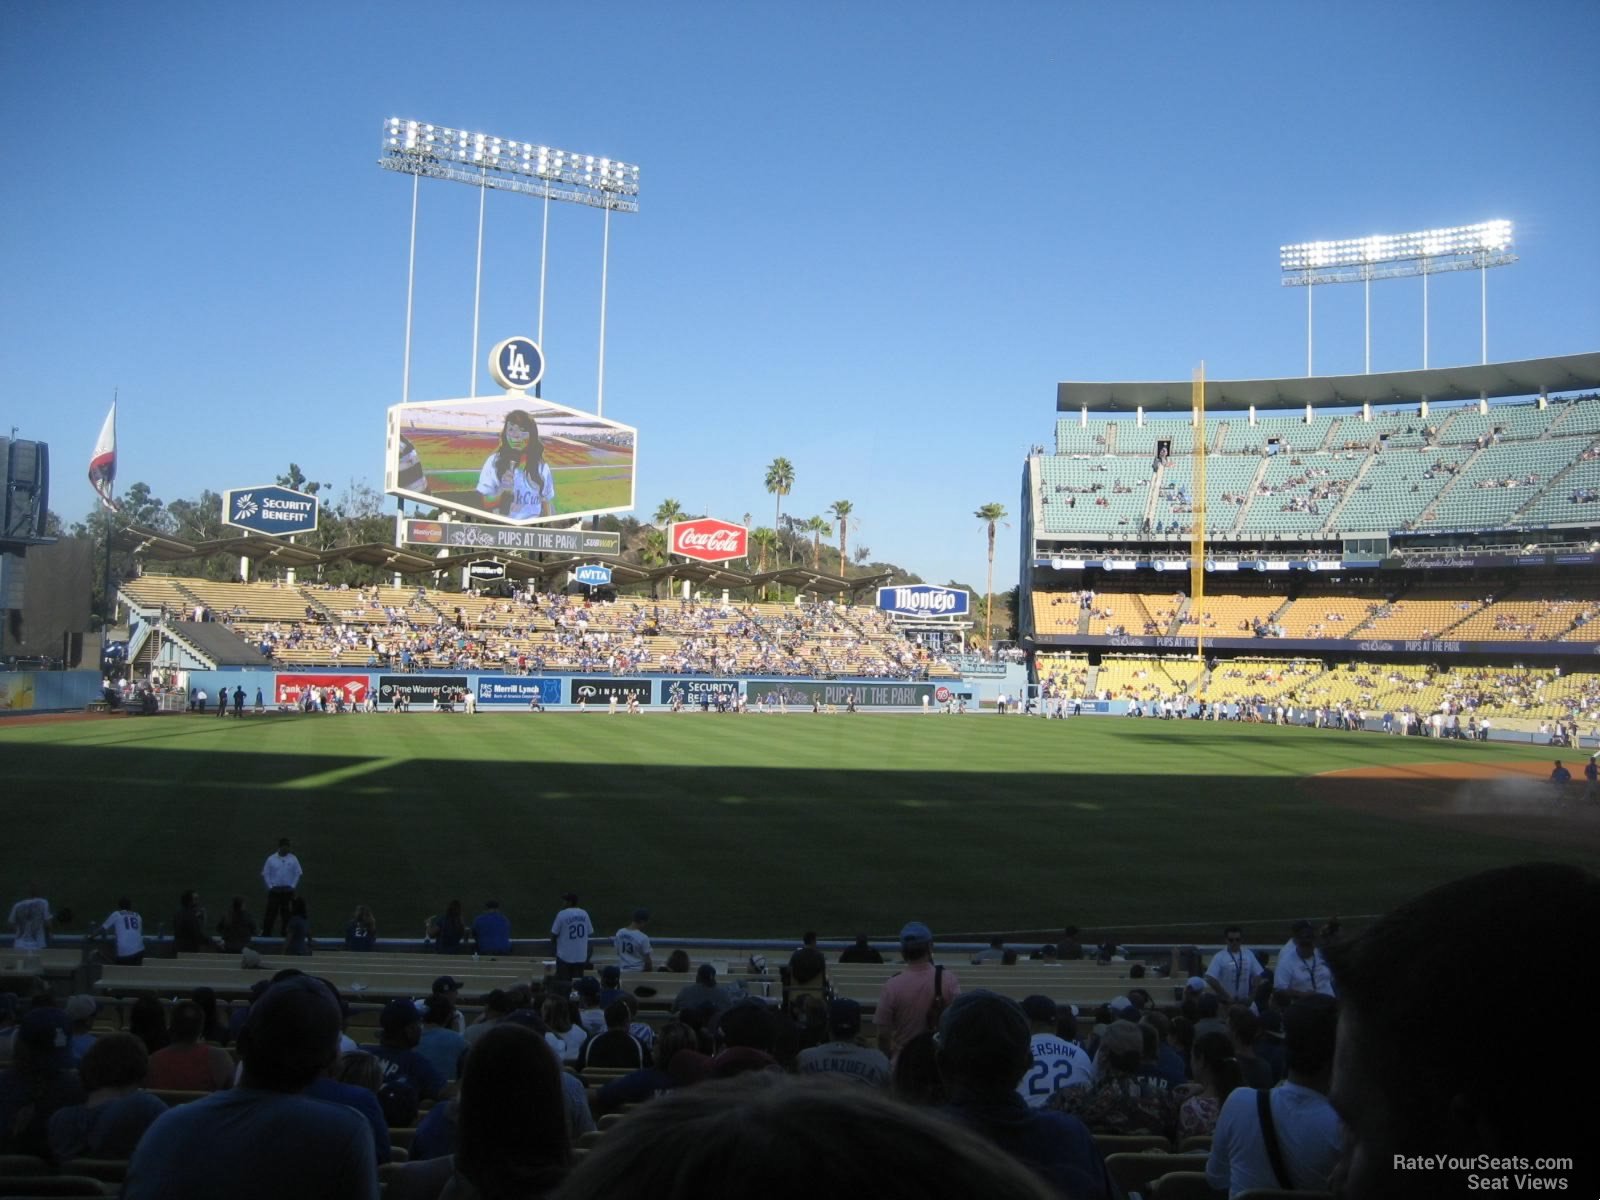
(270, 509)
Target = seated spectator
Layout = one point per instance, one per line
(117, 1109)
(496, 1006)
(983, 1052)
(1288, 1137)
(862, 952)
(656, 1080)
(216, 1025)
(703, 992)
(263, 1140)
(354, 1080)
(1216, 1074)
(747, 1040)
(147, 1021)
(845, 1055)
(237, 928)
(297, 938)
(801, 1139)
(81, 1012)
(1057, 1061)
(189, 1064)
(491, 930)
(566, 1036)
(678, 962)
(1120, 1101)
(591, 1015)
(511, 1127)
(362, 932)
(610, 984)
(41, 1081)
(439, 1042)
(189, 926)
(400, 1029)
(1244, 1027)
(1401, 1080)
(614, 1046)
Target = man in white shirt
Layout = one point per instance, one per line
(30, 921)
(1057, 1063)
(281, 873)
(1234, 969)
(633, 944)
(1287, 1138)
(1301, 969)
(569, 938)
(128, 930)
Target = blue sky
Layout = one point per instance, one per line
(872, 237)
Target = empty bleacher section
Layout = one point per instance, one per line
(1287, 478)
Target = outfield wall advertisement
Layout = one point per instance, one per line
(803, 693)
(419, 689)
(696, 690)
(514, 459)
(291, 689)
(518, 690)
(601, 691)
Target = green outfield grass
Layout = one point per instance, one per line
(731, 826)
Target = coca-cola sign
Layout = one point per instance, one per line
(709, 540)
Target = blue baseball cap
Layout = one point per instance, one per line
(914, 932)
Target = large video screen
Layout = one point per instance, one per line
(512, 459)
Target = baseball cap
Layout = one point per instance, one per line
(1039, 1008)
(1197, 983)
(1120, 1005)
(706, 973)
(1122, 1037)
(915, 932)
(611, 975)
(641, 915)
(81, 1008)
(587, 985)
(844, 1015)
(44, 1029)
(570, 897)
(398, 1015)
(446, 983)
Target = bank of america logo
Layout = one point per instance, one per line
(245, 506)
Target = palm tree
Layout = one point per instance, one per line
(841, 510)
(818, 529)
(764, 540)
(653, 553)
(993, 514)
(780, 481)
(667, 512)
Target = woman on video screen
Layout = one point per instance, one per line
(516, 479)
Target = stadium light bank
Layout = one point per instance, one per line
(438, 152)
(1395, 256)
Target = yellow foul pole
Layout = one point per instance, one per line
(1197, 537)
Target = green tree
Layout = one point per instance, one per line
(780, 482)
(765, 541)
(992, 515)
(818, 529)
(295, 478)
(136, 507)
(841, 510)
(653, 553)
(668, 511)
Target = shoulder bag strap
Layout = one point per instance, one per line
(1269, 1136)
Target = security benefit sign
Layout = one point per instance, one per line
(420, 689)
(696, 692)
(601, 691)
(925, 600)
(270, 509)
(518, 690)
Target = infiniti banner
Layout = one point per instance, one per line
(419, 689)
(600, 691)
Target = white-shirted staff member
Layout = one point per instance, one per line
(1234, 969)
(1301, 969)
(281, 874)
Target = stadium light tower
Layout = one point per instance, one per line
(1394, 256)
(437, 152)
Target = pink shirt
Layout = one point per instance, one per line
(905, 999)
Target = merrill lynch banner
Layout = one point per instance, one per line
(506, 537)
(518, 689)
(1329, 645)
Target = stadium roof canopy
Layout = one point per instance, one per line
(1532, 377)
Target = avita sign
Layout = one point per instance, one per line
(709, 540)
(925, 600)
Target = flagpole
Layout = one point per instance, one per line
(109, 613)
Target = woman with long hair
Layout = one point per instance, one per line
(516, 479)
(298, 938)
(448, 932)
(1216, 1070)
(362, 932)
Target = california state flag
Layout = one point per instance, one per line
(103, 466)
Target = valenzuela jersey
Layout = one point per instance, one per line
(1057, 1064)
(571, 930)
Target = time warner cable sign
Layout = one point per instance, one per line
(270, 509)
(925, 600)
